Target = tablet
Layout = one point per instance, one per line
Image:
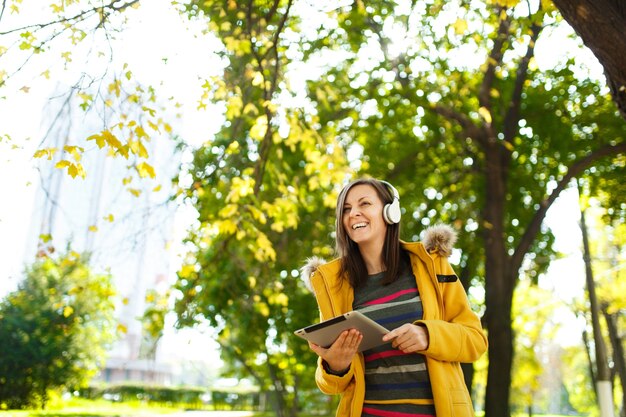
(326, 332)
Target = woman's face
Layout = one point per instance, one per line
(362, 215)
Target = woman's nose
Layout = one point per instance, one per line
(354, 211)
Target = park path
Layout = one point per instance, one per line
(210, 414)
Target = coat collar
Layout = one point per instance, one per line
(438, 239)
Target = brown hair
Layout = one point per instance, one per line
(352, 264)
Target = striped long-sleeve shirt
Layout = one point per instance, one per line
(396, 384)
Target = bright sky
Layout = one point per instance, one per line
(157, 32)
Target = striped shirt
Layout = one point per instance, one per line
(396, 384)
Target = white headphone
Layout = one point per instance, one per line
(391, 211)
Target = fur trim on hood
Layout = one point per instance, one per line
(439, 238)
(307, 270)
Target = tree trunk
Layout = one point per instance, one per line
(592, 373)
(600, 24)
(618, 354)
(280, 405)
(604, 391)
(499, 279)
(468, 368)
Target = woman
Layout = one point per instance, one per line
(411, 289)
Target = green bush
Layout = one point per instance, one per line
(55, 329)
(189, 397)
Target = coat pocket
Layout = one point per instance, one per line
(461, 404)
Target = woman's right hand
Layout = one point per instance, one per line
(339, 355)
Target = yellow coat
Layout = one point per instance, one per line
(454, 330)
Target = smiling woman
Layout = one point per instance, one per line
(411, 289)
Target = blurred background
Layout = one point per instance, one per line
(168, 166)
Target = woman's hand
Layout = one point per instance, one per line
(339, 355)
(409, 338)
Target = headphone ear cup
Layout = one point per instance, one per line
(391, 212)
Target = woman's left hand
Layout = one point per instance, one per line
(408, 338)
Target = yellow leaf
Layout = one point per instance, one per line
(257, 79)
(263, 309)
(144, 170)
(123, 150)
(109, 218)
(281, 299)
(115, 87)
(460, 26)
(62, 164)
(250, 108)
(233, 107)
(127, 180)
(138, 149)
(485, 114)
(259, 129)
(186, 271)
(75, 170)
(93, 228)
(141, 133)
(111, 139)
(156, 189)
(228, 210)
(227, 227)
(233, 148)
(99, 138)
(58, 8)
(149, 110)
(49, 152)
(125, 301)
(508, 3)
(67, 311)
(75, 151)
(122, 329)
(135, 192)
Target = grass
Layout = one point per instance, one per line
(78, 407)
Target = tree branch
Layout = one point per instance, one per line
(494, 59)
(469, 128)
(574, 170)
(513, 112)
(77, 17)
(4, 6)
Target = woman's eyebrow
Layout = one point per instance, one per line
(359, 200)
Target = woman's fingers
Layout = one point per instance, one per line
(339, 355)
(408, 338)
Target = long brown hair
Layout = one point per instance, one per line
(352, 264)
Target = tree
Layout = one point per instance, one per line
(533, 313)
(55, 329)
(72, 42)
(602, 373)
(600, 24)
(263, 189)
(491, 145)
